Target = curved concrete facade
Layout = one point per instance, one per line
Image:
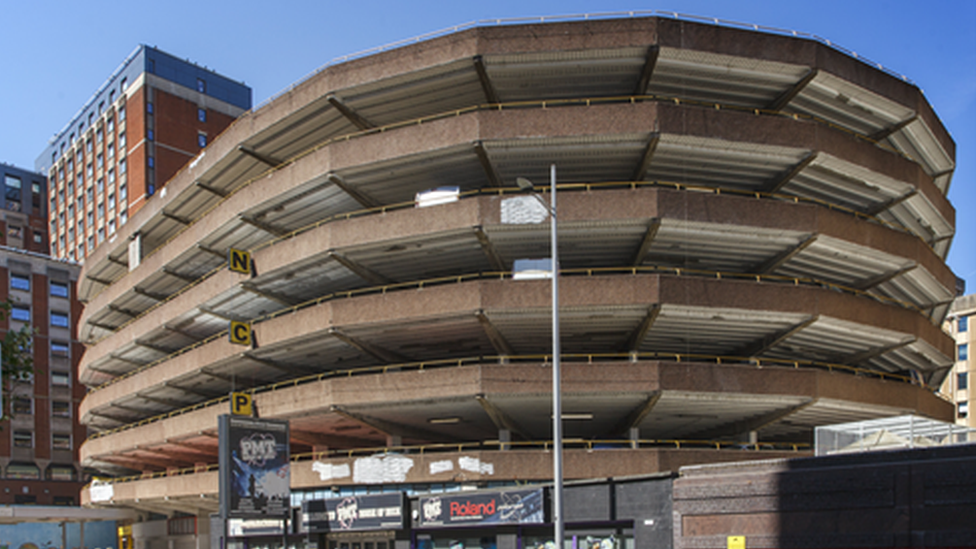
(745, 256)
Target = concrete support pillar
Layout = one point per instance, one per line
(203, 532)
(753, 437)
(504, 438)
(634, 435)
(394, 440)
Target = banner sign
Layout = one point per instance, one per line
(476, 508)
(354, 513)
(240, 528)
(255, 479)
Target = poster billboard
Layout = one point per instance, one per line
(354, 513)
(477, 508)
(255, 479)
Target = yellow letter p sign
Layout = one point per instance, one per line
(240, 404)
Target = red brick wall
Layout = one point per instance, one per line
(135, 131)
(177, 127)
(40, 317)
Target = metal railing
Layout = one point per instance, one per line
(501, 275)
(496, 446)
(588, 358)
(584, 17)
(540, 104)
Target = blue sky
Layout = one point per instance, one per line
(56, 54)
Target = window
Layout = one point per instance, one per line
(101, 213)
(110, 124)
(121, 141)
(59, 289)
(963, 352)
(202, 140)
(123, 192)
(59, 320)
(150, 135)
(100, 186)
(88, 145)
(202, 115)
(23, 439)
(60, 379)
(25, 471)
(13, 184)
(963, 324)
(98, 135)
(14, 231)
(23, 406)
(962, 410)
(62, 472)
(60, 408)
(20, 282)
(121, 166)
(149, 108)
(151, 162)
(121, 114)
(59, 348)
(111, 177)
(962, 381)
(201, 85)
(60, 441)
(20, 312)
(101, 235)
(100, 160)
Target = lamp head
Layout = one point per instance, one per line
(524, 184)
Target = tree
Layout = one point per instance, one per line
(17, 356)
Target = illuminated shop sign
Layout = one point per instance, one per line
(509, 507)
(348, 514)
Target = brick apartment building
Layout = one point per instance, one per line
(149, 118)
(39, 445)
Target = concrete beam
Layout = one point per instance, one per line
(479, 66)
(349, 113)
(498, 341)
(501, 419)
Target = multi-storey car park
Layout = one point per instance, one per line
(753, 229)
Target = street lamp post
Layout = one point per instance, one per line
(557, 412)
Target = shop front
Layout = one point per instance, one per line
(356, 522)
(480, 520)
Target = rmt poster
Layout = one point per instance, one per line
(255, 480)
